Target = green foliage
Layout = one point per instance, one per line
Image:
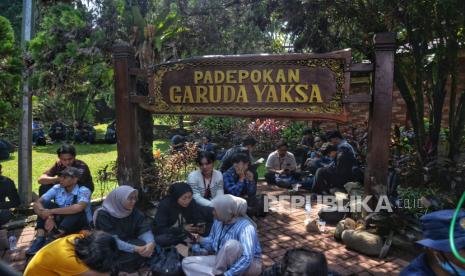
(267, 132)
(292, 133)
(12, 10)
(226, 131)
(10, 78)
(71, 71)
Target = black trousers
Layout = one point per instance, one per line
(68, 223)
(328, 178)
(5, 216)
(130, 262)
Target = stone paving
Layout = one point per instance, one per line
(279, 231)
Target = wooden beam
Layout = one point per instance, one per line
(357, 98)
(361, 67)
(379, 118)
(126, 117)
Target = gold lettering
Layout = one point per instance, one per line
(315, 95)
(285, 94)
(272, 95)
(219, 77)
(208, 77)
(267, 76)
(198, 75)
(255, 76)
(293, 75)
(211, 93)
(280, 77)
(243, 74)
(259, 92)
(188, 95)
(201, 96)
(175, 98)
(229, 98)
(230, 76)
(301, 89)
(242, 94)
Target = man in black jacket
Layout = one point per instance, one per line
(7, 190)
(341, 171)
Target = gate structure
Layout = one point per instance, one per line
(300, 86)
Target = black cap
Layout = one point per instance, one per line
(70, 171)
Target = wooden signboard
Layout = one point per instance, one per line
(310, 86)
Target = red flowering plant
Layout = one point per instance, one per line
(267, 132)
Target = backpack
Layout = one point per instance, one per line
(166, 263)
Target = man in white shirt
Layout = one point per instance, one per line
(281, 166)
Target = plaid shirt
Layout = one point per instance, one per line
(233, 186)
(244, 232)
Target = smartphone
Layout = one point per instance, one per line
(201, 226)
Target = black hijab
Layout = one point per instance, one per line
(178, 189)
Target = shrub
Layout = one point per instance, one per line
(267, 132)
(226, 131)
(293, 134)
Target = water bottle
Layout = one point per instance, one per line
(12, 242)
(308, 208)
(195, 249)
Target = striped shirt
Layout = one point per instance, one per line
(244, 232)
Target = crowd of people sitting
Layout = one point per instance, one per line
(79, 132)
(210, 211)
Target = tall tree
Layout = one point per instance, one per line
(70, 69)
(429, 33)
(10, 78)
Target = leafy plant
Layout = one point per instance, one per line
(267, 132)
(168, 168)
(225, 131)
(292, 133)
(10, 77)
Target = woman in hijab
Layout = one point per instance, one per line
(179, 215)
(133, 235)
(233, 240)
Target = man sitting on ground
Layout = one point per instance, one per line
(238, 180)
(341, 171)
(437, 257)
(62, 210)
(7, 190)
(57, 131)
(66, 158)
(305, 145)
(178, 143)
(326, 156)
(88, 133)
(281, 167)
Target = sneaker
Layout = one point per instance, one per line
(36, 245)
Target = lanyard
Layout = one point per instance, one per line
(207, 193)
(222, 235)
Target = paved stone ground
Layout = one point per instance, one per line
(279, 231)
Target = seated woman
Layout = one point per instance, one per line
(206, 183)
(133, 235)
(77, 254)
(233, 240)
(178, 216)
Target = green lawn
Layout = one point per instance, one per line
(96, 157)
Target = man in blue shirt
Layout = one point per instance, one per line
(62, 210)
(238, 180)
(438, 258)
